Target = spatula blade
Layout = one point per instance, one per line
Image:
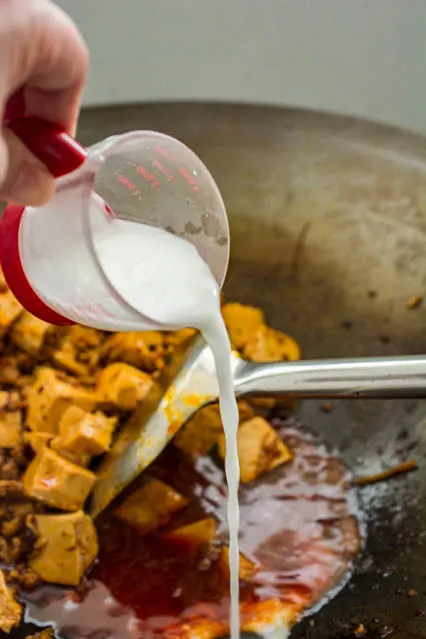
(152, 427)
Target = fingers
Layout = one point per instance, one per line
(23, 178)
(42, 73)
(53, 90)
(49, 60)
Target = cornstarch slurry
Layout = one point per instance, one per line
(179, 290)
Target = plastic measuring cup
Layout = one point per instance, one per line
(48, 253)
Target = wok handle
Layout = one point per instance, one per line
(401, 377)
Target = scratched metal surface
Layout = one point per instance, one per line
(328, 228)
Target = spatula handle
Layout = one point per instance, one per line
(401, 377)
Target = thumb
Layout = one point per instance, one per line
(23, 178)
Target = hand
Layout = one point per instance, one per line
(43, 66)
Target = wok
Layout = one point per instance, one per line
(328, 228)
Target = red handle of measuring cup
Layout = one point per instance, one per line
(58, 151)
(61, 154)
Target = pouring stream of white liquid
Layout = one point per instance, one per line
(164, 278)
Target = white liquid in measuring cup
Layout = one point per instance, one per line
(164, 278)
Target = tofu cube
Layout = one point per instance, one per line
(65, 357)
(37, 440)
(246, 570)
(84, 338)
(245, 412)
(10, 310)
(201, 532)
(204, 429)
(269, 345)
(50, 396)
(151, 506)
(201, 433)
(242, 323)
(144, 349)
(47, 633)
(268, 403)
(10, 610)
(67, 546)
(10, 428)
(259, 449)
(79, 350)
(4, 399)
(177, 338)
(29, 333)
(9, 371)
(57, 482)
(81, 459)
(124, 386)
(83, 432)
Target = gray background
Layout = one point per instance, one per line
(360, 57)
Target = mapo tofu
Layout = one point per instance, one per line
(204, 430)
(242, 322)
(73, 389)
(200, 532)
(269, 345)
(123, 386)
(49, 397)
(30, 333)
(247, 568)
(67, 545)
(10, 609)
(151, 506)
(259, 449)
(10, 310)
(79, 351)
(10, 428)
(201, 433)
(57, 482)
(144, 350)
(83, 432)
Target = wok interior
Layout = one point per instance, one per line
(328, 227)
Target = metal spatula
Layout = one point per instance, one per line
(195, 385)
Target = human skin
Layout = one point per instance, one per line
(43, 67)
